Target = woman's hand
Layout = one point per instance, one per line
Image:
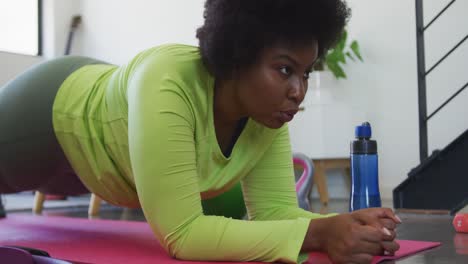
(353, 237)
(381, 218)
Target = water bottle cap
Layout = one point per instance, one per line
(363, 131)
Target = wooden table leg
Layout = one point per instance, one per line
(39, 199)
(94, 206)
(348, 179)
(321, 182)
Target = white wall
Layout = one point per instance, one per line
(384, 87)
(57, 20)
(116, 30)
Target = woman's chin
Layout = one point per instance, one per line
(271, 123)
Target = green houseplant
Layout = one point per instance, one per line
(337, 57)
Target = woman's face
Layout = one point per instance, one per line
(271, 90)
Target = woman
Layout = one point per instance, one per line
(179, 128)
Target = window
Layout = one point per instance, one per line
(20, 27)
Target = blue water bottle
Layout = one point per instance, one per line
(364, 170)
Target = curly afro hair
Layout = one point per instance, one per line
(235, 32)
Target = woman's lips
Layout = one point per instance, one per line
(286, 116)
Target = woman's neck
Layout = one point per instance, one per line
(228, 120)
(227, 108)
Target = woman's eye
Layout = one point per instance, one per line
(307, 75)
(285, 70)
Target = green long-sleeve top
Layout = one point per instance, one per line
(142, 134)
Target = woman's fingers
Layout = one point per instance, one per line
(371, 234)
(380, 218)
(361, 236)
(366, 217)
(388, 228)
(388, 237)
(374, 241)
(373, 213)
(389, 213)
(361, 259)
(372, 248)
(371, 241)
(388, 223)
(390, 247)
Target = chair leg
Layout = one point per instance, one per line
(39, 199)
(94, 206)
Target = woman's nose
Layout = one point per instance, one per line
(297, 91)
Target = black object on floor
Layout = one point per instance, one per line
(21, 255)
(2, 209)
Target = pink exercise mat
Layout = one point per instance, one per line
(117, 242)
(407, 248)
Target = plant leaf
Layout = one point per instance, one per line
(336, 70)
(355, 48)
(337, 56)
(349, 55)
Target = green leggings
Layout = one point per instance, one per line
(229, 204)
(30, 155)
